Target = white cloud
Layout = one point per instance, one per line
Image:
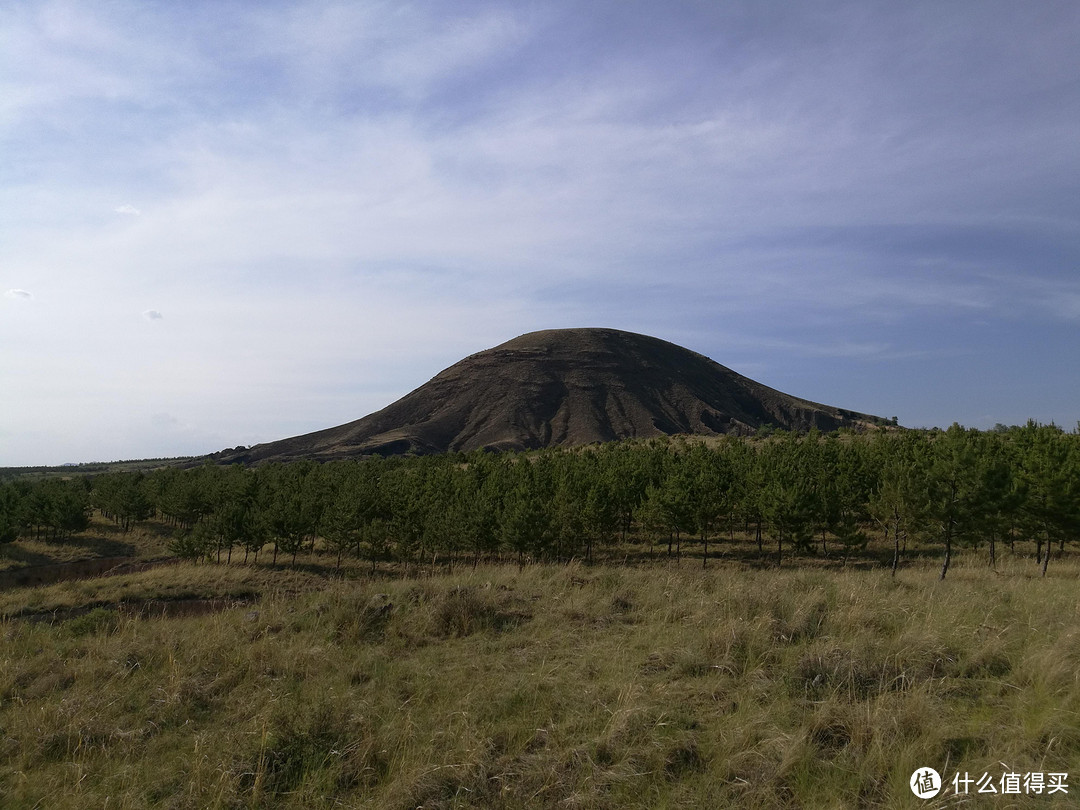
(370, 191)
(335, 48)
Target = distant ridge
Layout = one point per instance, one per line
(562, 387)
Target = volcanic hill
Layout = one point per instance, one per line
(563, 387)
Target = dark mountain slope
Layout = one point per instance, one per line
(565, 387)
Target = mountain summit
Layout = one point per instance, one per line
(564, 387)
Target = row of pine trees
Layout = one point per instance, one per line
(787, 493)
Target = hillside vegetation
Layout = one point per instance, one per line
(735, 623)
(808, 495)
(563, 388)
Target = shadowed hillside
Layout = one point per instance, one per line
(564, 387)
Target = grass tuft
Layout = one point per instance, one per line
(549, 686)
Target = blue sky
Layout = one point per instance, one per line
(225, 223)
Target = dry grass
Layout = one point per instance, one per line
(553, 686)
(173, 581)
(102, 539)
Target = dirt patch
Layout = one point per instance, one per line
(34, 575)
(563, 387)
(140, 609)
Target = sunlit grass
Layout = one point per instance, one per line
(102, 539)
(556, 686)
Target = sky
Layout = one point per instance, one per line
(231, 222)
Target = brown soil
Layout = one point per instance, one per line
(34, 575)
(564, 387)
(142, 609)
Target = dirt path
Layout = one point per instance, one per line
(140, 609)
(80, 569)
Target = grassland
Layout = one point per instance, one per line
(95, 468)
(650, 685)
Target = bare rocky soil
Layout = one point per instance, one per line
(563, 387)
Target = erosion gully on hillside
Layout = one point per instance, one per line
(564, 387)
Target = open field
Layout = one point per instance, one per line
(95, 468)
(649, 685)
(101, 540)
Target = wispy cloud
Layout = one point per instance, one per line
(383, 188)
(19, 295)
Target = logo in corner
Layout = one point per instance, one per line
(925, 783)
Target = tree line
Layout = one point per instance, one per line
(790, 494)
